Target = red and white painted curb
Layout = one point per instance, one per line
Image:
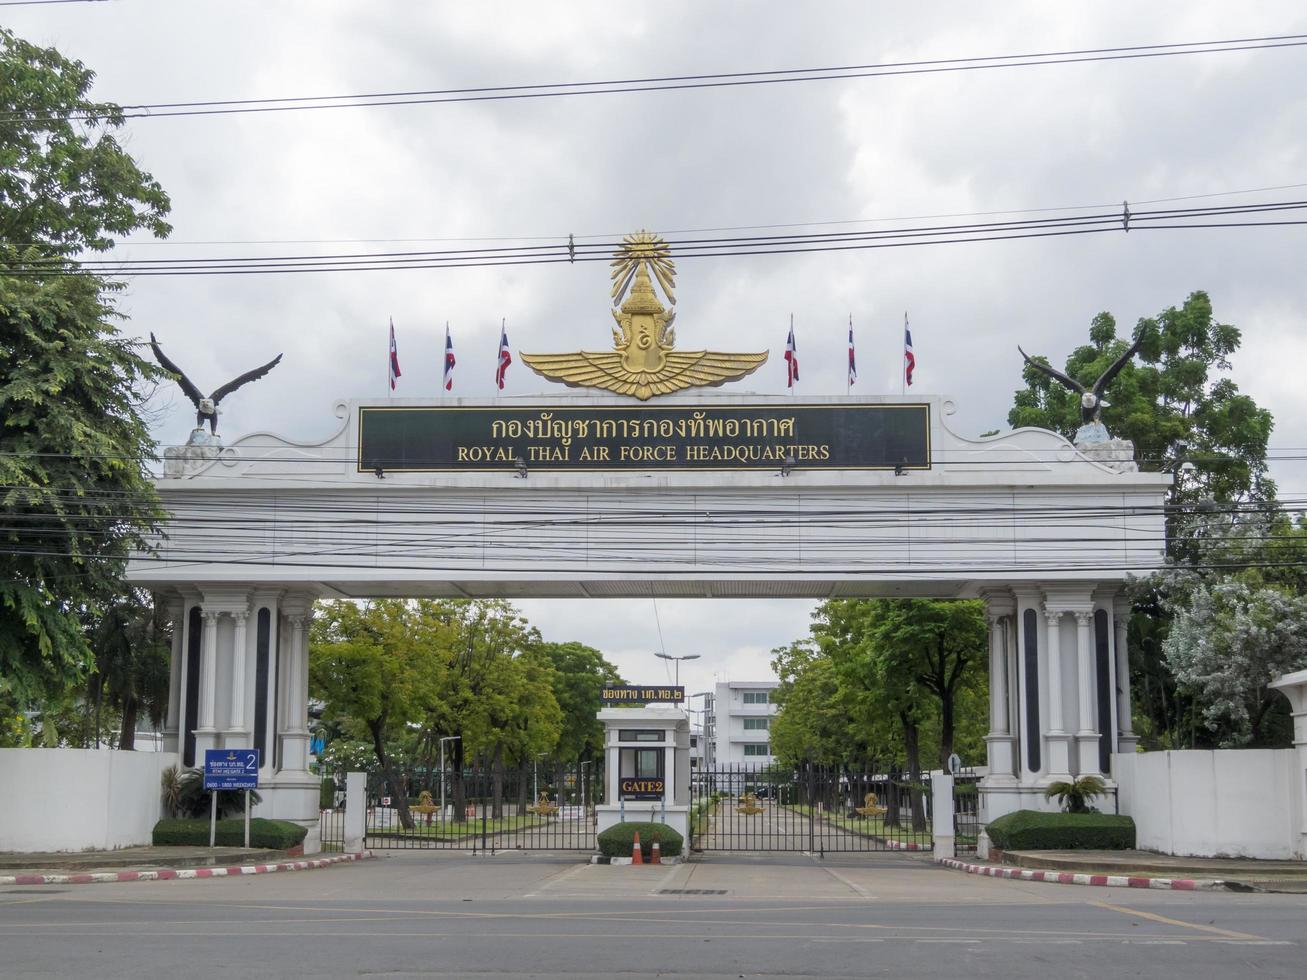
(170, 874)
(1079, 878)
(902, 845)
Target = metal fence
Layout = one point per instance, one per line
(532, 808)
(816, 809)
(966, 811)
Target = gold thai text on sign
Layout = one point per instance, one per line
(827, 436)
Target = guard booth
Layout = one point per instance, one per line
(647, 767)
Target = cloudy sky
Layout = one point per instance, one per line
(964, 143)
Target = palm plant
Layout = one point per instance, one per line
(1074, 795)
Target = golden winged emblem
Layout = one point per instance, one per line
(642, 362)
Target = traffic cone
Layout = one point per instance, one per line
(636, 856)
(657, 856)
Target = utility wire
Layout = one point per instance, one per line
(1090, 223)
(666, 83)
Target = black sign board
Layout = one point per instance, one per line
(727, 437)
(635, 788)
(637, 695)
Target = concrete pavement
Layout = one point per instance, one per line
(517, 915)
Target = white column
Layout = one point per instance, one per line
(1126, 740)
(175, 610)
(208, 669)
(294, 735)
(205, 733)
(1087, 731)
(1053, 642)
(1058, 766)
(236, 722)
(999, 742)
(998, 715)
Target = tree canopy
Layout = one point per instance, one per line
(1172, 404)
(73, 445)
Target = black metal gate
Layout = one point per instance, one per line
(966, 811)
(535, 808)
(808, 808)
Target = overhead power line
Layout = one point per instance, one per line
(667, 83)
(1262, 214)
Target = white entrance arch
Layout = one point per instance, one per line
(1045, 533)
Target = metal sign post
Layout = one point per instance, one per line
(230, 769)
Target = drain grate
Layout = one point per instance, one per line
(692, 891)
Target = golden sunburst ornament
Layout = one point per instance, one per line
(643, 362)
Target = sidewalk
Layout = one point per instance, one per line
(1141, 869)
(137, 858)
(154, 864)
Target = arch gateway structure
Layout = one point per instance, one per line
(713, 496)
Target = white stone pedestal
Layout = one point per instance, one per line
(675, 815)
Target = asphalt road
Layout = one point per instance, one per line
(424, 914)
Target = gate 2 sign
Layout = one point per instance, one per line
(231, 769)
(642, 789)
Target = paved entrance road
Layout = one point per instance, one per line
(425, 914)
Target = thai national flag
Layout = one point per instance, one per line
(853, 364)
(449, 360)
(394, 357)
(909, 362)
(791, 360)
(505, 358)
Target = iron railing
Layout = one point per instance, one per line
(807, 808)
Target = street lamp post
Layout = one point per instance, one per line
(668, 656)
(447, 738)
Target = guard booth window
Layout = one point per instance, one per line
(641, 763)
(639, 735)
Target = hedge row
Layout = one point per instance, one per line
(279, 835)
(619, 839)
(1033, 830)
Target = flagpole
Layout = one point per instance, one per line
(848, 380)
(792, 378)
(388, 336)
(903, 360)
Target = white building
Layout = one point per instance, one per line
(739, 716)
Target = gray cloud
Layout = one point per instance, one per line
(942, 144)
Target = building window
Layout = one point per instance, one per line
(639, 735)
(641, 763)
(757, 697)
(761, 748)
(757, 724)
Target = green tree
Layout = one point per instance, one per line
(132, 650)
(383, 664)
(1183, 416)
(1171, 404)
(484, 633)
(73, 445)
(579, 677)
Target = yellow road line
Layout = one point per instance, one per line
(1167, 920)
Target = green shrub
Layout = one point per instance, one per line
(280, 835)
(327, 793)
(618, 839)
(1032, 830)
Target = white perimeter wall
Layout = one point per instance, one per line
(79, 799)
(1222, 803)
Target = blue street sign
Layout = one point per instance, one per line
(231, 769)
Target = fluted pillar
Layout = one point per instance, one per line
(1087, 729)
(175, 611)
(999, 743)
(295, 733)
(236, 717)
(1056, 737)
(1126, 740)
(205, 733)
